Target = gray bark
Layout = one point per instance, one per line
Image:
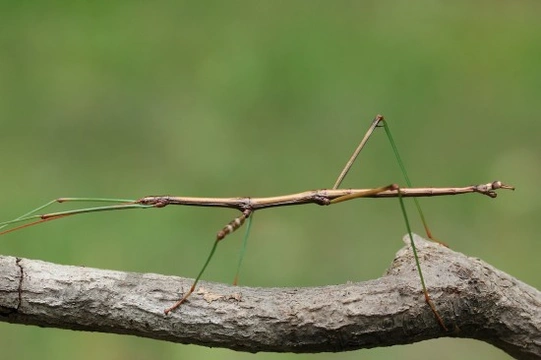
(474, 299)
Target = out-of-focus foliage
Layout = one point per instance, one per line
(259, 98)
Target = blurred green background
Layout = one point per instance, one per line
(260, 98)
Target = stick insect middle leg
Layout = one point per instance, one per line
(226, 230)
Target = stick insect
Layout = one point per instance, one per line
(247, 206)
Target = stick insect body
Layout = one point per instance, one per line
(248, 206)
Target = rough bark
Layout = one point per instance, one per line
(475, 300)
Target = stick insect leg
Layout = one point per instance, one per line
(418, 264)
(364, 193)
(33, 219)
(415, 255)
(28, 214)
(408, 182)
(228, 229)
(380, 121)
(357, 151)
(421, 215)
(243, 247)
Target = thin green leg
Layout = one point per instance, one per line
(405, 215)
(228, 229)
(418, 264)
(40, 218)
(243, 248)
(406, 177)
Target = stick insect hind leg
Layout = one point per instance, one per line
(379, 121)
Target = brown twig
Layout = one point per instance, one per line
(476, 300)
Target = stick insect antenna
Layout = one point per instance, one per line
(38, 219)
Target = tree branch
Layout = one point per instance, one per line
(475, 300)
